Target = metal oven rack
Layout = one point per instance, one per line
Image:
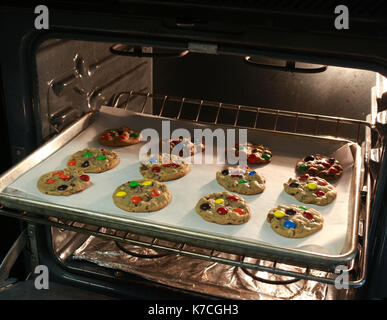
(318, 125)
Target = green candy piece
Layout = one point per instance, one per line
(101, 157)
(134, 134)
(133, 184)
(87, 154)
(266, 156)
(303, 208)
(242, 181)
(303, 167)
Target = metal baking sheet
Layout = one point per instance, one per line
(333, 245)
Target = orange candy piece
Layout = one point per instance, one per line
(64, 177)
(240, 211)
(50, 181)
(58, 173)
(71, 163)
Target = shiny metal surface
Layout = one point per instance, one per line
(226, 244)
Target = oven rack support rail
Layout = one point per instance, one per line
(356, 268)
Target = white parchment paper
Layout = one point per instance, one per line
(287, 150)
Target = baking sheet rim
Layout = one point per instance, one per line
(16, 202)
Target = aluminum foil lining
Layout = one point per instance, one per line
(200, 276)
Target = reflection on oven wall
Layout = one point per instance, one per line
(76, 77)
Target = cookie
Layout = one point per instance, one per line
(310, 189)
(320, 166)
(294, 221)
(164, 167)
(142, 195)
(177, 147)
(93, 160)
(241, 180)
(119, 137)
(223, 208)
(63, 182)
(255, 153)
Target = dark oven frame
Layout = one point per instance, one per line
(167, 26)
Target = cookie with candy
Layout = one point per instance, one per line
(142, 195)
(223, 208)
(255, 153)
(163, 167)
(321, 166)
(119, 137)
(63, 182)
(240, 179)
(93, 160)
(294, 221)
(309, 189)
(182, 147)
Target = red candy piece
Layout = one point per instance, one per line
(307, 215)
(252, 158)
(58, 173)
(155, 192)
(232, 198)
(123, 137)
(84, 177)
(236, 176)
(322, 182)
(222, 211)
(136, 199)
(239, 211)
(71, 163)
(156, 169)
(166, 165)
(325, 164)
(49, 181)
(64, 177)
(333, 170)
(304, 177)
(106, 136)
(175, 165)
(319, 193)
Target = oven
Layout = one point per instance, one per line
(279, 70)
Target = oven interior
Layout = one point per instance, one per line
(74, 77)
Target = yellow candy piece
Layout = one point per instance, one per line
(121, 194)
(312, 186)
(147, 183)
(219, 200)
(279, 214)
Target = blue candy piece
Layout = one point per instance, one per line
(153, 160)
(180, 145)
(289, 224)
(252, 173)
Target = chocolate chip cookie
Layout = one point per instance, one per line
(255, 153)
(119, 137)
(321, 166)
(294, 221)
(310, 189)
(93, 160)
(164, 167)
(242, 180)
(223, 208)
(143, 195)
(63, 182)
